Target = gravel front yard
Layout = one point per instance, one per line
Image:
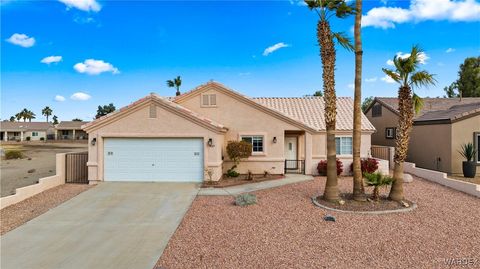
(284, 230)
(15, 215)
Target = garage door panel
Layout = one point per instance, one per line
(162, 159)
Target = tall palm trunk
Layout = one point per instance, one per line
(358, 188)
(327, 53)
(405, 123)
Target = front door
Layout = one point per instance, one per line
(291, 152)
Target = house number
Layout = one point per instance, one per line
(196, 154)
(110, 153)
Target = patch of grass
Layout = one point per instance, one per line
(13, 154)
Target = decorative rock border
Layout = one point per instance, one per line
(412, 207)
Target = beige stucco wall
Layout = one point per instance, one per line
(462, 132)
(35, 138)
(167, 124)
(387, 120)
(428, 143)
(243, 119)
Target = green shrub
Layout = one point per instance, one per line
(28, 138)
(245, 199)
(238, 150)
(377, 180)
(42, 138)
(232, 173)
(13, 154)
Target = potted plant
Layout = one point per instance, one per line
(469, 166)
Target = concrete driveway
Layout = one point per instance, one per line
(114, 225)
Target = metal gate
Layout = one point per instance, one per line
(76, 170)
(295, 167)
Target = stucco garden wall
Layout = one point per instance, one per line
(462, 132)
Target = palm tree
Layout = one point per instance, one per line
(55, 119)
(30, 115)
(358, 188)
(175, 83)
(18, 116)
(24, 114)
(325, 37)
(47, 111)
(407, 75)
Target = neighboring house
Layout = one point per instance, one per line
(22, 131)
(177, 139)
(70, 130)
(439, 130)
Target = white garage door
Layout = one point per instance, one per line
(153, 159)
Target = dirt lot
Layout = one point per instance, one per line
(14, 173)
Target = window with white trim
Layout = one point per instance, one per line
(343, 145)
(209, 100)
(256, 141)
(34, 133)
(390, 132)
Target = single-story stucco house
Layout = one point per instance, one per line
(70, 130)
(439, 130)
(178, 139)
(21, 131)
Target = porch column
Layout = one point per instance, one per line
(73, 136)
(308, 153)
(56, 134)
(21, 136)
(5, 137)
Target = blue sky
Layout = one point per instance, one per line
(134, 47)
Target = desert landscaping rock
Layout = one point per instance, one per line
(329, 218)
(407, 178)
(18, 214)
(285, 230)
(31, 171)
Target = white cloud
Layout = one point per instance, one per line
(275, 47)
(51, 59)
(95, 67)
(421, 10)
(450, 50)
(80, 96)
(59, 98)
(351, 85)
(85, 5)
(371, 79)
(388, 79)
(22, 40)
(422, 57)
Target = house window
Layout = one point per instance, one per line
(209, 100)
(343, 145)
(256, 141)
(390, 132)
(16, 133)
(377, 110)
(477, 145)
(34, 133)
(64, 132)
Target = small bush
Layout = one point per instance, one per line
(232, 173)
(322, 167)
(245, 199)
(238, 150)
(369, 165)
(377, 180)
(13, 154)
(28, 138)
(42, 138)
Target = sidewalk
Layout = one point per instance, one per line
(235, 190)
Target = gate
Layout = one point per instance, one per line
(295, 167)
(76, 170)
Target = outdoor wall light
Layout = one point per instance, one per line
(210, 142)
(94, 141)
(274, 139)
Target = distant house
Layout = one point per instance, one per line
(21, 131)
(70, 130)
(439, 130)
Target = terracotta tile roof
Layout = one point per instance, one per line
(310, 111)
(451, 114)
(24, 126)
(165, 101)
(429, 104)
(70, 125)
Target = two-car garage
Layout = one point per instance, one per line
(153, 159)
